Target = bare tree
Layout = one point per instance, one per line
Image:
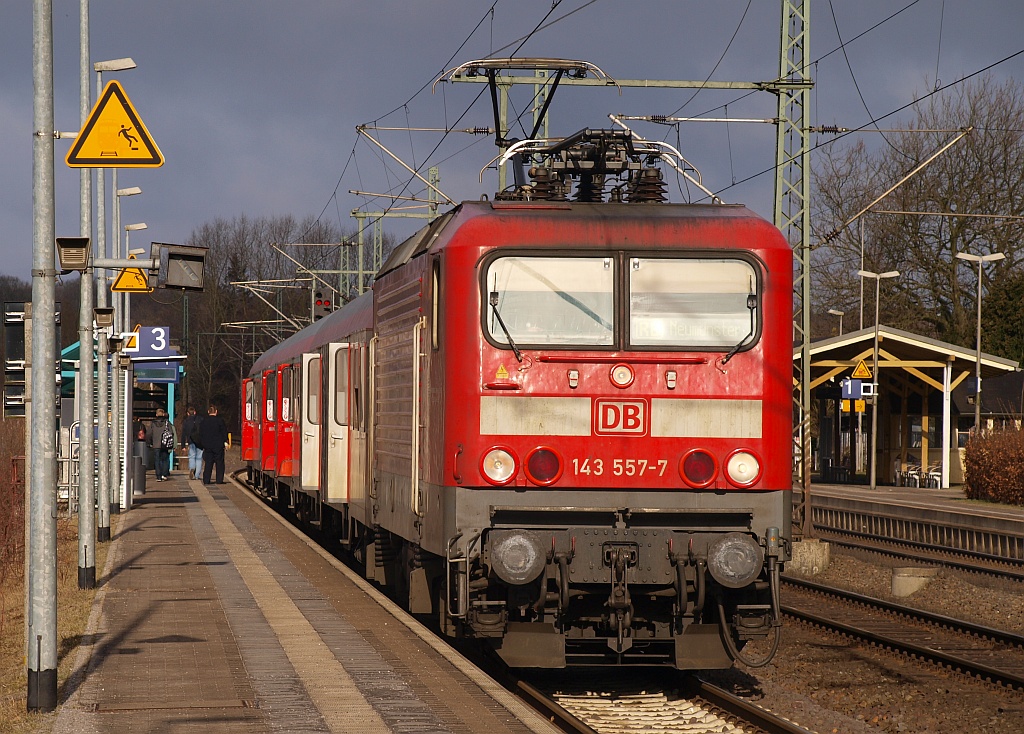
(242, 249)
(982, 174)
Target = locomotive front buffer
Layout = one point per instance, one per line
(627, 593)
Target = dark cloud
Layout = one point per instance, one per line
(255, 104)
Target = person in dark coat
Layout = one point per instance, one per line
(213, 436)
(189, 433)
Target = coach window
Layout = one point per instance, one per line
(313, 397)
(435, 305)
(564, 301)
(358, 375)
(696, 303)
(249, 400)
(286, 395)
(271, 381)
(341, 387)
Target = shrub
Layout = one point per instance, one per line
(994, 467)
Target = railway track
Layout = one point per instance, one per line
(986, 654)
(964, 561)
(595, 703)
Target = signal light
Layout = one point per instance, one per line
(543, 466)
(698, 468)
(322, 305)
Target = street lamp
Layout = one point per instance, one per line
(981, 260)
(106, 397)
(840, 314)
(874, 364)
(122, 298)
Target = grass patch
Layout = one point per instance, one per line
(74, 605)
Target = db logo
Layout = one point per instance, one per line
(620, 416)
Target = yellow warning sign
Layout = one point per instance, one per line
(131, 342)
(131, 280)
(114, 136)
(502, 373)
(862, 372)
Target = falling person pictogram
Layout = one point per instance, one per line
(124, 133)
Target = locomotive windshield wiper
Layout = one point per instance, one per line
(494, 307)
(567, 297)
(752, 305)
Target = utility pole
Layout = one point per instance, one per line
(84, 390)
(358, 269)
(41, 615)
(793, 218)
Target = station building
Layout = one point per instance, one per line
(925, 406)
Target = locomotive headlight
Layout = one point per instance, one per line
(517, 556)
(743, 468)
(622, 375)
(735, 560)
(499, 465)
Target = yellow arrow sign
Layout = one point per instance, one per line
(114, 136)
(131, 280)
(862, 372)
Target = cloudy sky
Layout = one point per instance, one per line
(255, 103)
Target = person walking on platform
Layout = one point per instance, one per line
(190, 435)
(213, 437)
(162, 440)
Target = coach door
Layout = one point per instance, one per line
(250, 422)
(287, 425)
(310, 450)
(336, 422)
(358, 418)
(268, 422)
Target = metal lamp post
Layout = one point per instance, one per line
(874, 364)
(103, 382)
(128, 229)
(840, 314)
(981, 260)
(118, 421)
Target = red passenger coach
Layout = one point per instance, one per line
(562, 426)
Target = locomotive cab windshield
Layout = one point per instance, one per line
(699, 303)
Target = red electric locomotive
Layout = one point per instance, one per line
(560, 423)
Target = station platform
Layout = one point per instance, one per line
(214, 615)
(951, 501)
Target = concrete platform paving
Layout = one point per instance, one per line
(212, 615)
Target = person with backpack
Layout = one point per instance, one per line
(161, 439)
(213, 436)
(190, 434)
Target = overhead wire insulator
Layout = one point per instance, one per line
(649, 188)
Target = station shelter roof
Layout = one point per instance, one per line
(921, 356)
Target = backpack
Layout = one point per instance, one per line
(167, 437)
(194, 433)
